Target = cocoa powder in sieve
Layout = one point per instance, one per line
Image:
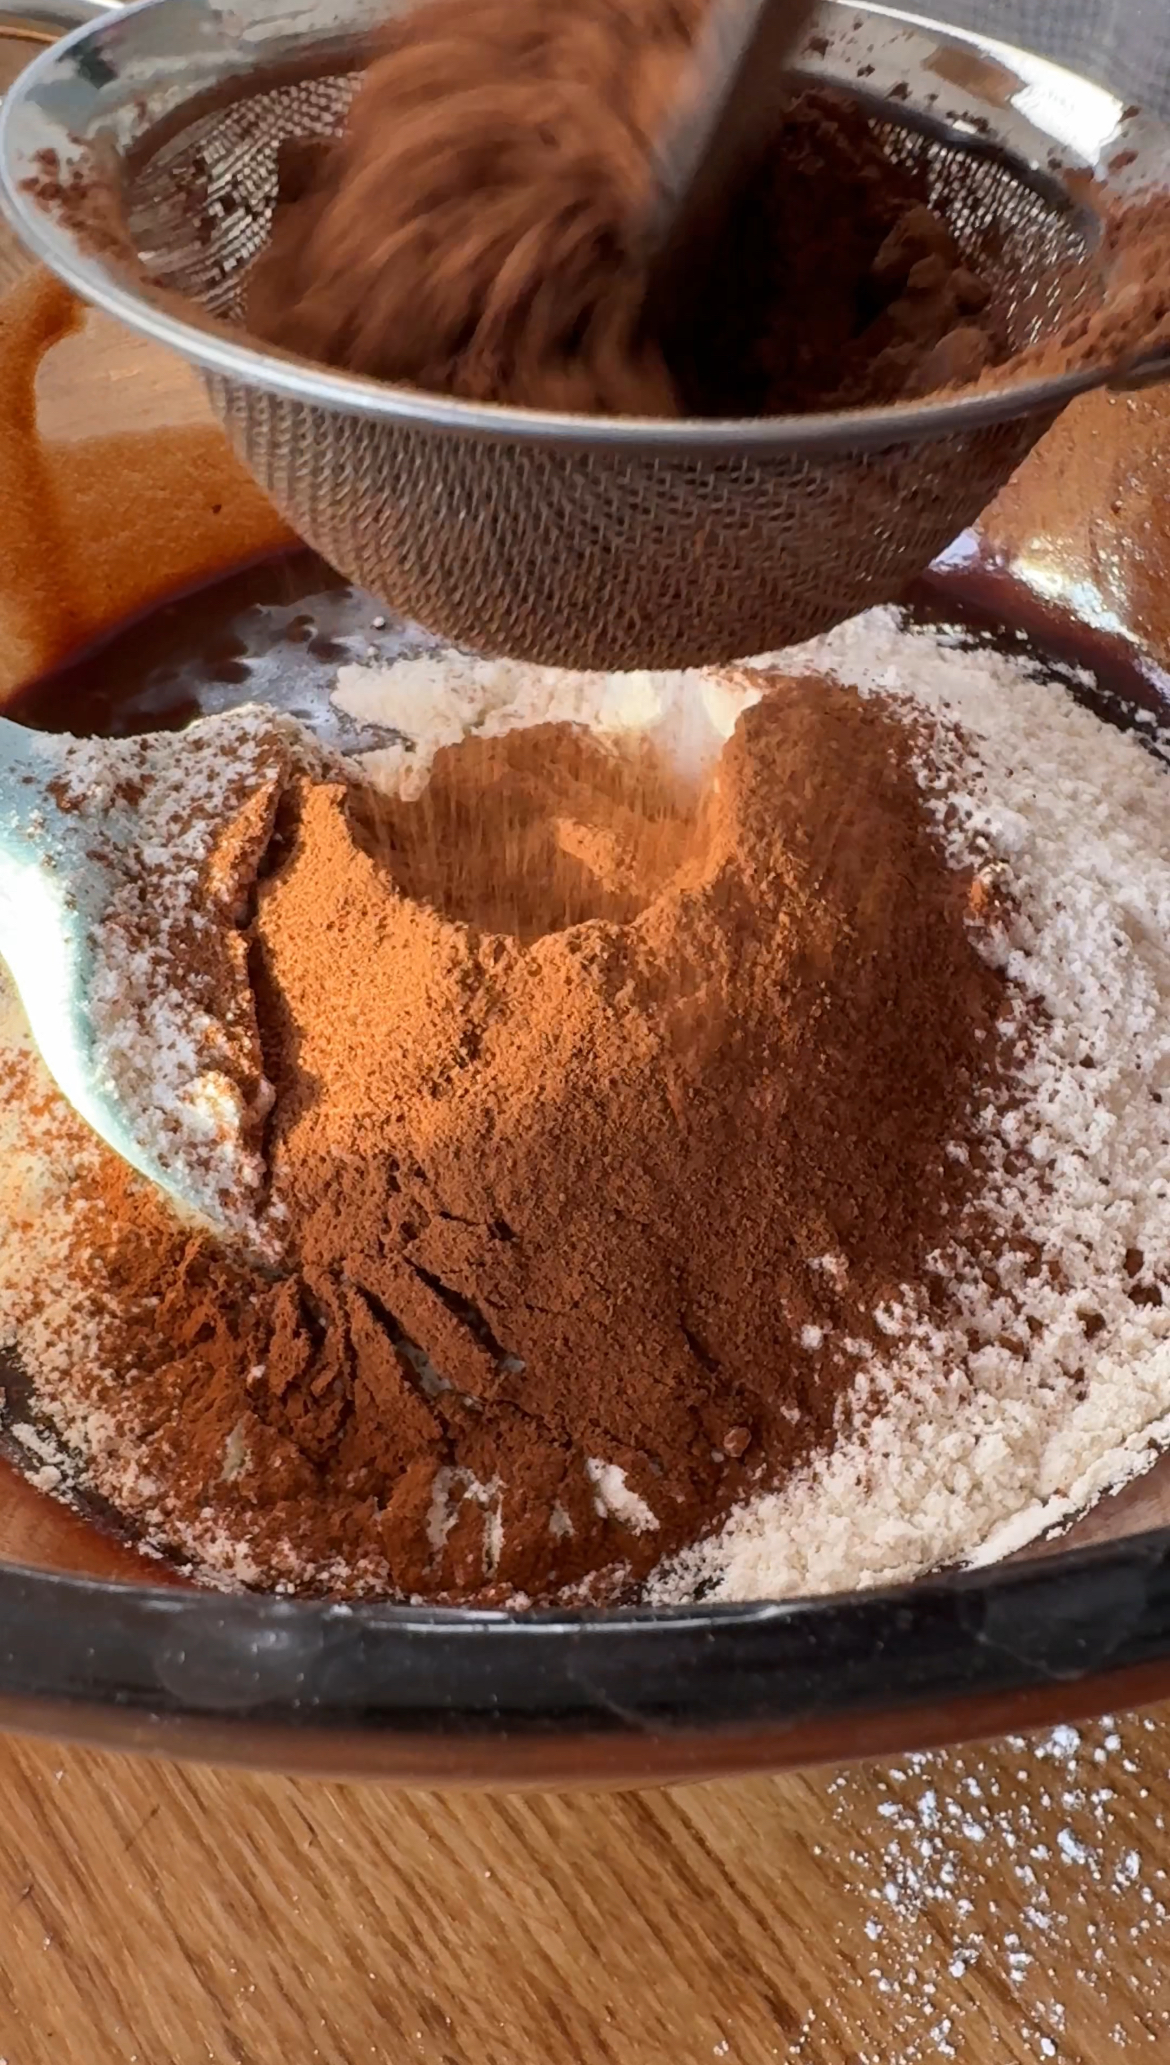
(838, 285)
(607, 1113)
(478, 231)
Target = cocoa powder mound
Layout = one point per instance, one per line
(478, 231)
(595, 1165)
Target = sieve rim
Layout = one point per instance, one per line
(30, 124)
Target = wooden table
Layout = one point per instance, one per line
(994, 1907)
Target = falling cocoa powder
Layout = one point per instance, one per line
(574, 1167)
(479, 230)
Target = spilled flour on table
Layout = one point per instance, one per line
(1009, 1902)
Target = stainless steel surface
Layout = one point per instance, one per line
(726, 107)
(24, 31)
(571, 540)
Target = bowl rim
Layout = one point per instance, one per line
(91, 1656)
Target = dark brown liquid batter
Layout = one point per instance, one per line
(276, 630)
(273, 631)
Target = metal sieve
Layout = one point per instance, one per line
(567, 540)
(25, 27)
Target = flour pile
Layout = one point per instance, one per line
(1051, 1385)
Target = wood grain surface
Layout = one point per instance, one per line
(997, 1907)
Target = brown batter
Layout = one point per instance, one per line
(477, 232)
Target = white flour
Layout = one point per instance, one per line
(436, 699)
(1047, 1386)
(976, 1451)
(155, 845)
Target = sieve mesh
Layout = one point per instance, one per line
(225, 162)
(622, 551)
(1031, 250)
(607, 559)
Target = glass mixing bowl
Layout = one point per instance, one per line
(96, 1645)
